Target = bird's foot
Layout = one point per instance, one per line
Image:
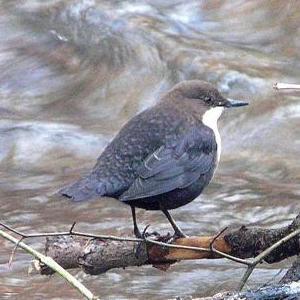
(144, 236)
(177, 235)
(178, 232)
(137, 233)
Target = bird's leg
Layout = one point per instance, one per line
(178, 231)
(136, 230)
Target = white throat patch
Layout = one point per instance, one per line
(210, 119)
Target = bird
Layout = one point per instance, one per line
(163, 157)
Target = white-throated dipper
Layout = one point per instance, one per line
(163, 157)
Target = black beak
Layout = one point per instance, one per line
(235, 103)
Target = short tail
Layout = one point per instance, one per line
(86, 188)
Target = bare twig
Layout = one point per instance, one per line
(70, 232)
(14, 251)
(230, 245)
(163, 244)
(97, 236)
(222, 254)
(286, 86)
(51, 264)
(261, 256)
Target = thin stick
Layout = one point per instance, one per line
(286, 86)
(225, 255)
(53, 265)
(14, 251)
(263, 254)
(70, 232)
(162, 244)
(105, 237)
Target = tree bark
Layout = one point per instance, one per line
(96, 256)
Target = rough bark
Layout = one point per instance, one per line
(96, 256)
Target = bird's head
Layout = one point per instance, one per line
(201, 99)
(208, 95)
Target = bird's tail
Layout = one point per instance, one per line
(86, 188)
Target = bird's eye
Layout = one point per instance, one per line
(208, 99)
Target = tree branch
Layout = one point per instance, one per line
(50, 263)
(286, 86)
(96, 256)
(101, 253)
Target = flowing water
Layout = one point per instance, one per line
(73, 72)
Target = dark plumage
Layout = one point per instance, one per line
(163, 157)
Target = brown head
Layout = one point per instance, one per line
(202, 91)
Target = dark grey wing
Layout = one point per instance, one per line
(175, 165)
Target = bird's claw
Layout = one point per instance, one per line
(145, 234)
(142, 236)
(176, 235)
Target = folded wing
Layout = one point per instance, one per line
(177, 164)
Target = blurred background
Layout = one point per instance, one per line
(73, 72)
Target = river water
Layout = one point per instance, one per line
(73, 72)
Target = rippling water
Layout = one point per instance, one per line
(73, 72)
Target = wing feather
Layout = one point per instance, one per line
(176, 164)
